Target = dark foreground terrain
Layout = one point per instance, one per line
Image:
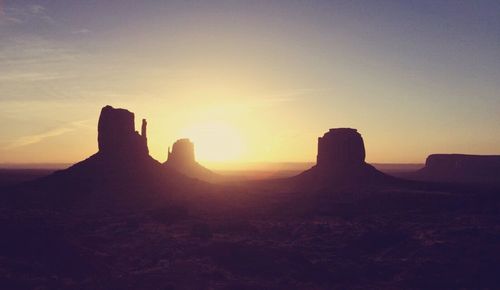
(9, 176)
(240, 239)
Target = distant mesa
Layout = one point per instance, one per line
(182, 153)
(182, 159)
(341, 162)
(461, 168)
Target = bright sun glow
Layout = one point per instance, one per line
(215, 141)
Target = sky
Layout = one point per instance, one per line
(251, 81)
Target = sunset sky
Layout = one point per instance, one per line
(252, 80)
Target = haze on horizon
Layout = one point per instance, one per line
(251, 81)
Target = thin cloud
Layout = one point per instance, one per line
(31, 77)
(36, 138)
(37, 9)
(24, 50)
(11, 19)
(81, 31)
(24, 14)
(284, 97)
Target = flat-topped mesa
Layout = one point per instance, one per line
(340, 163)
(340, 148)
(182, 152)
(117, 135)
(461, 168)
(462, 162)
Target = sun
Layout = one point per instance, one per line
(215, 141)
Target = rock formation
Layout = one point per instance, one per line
(122, 163)
(461, 168)
(341, 162)
(182, 159)
(117, 135)
(340, 148)
(182, 152)
(143, 129)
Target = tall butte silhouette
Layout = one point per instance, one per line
(122, 163)
(340, 162)
(182, 159)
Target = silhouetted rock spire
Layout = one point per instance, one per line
(117, 135)
(144, 128)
